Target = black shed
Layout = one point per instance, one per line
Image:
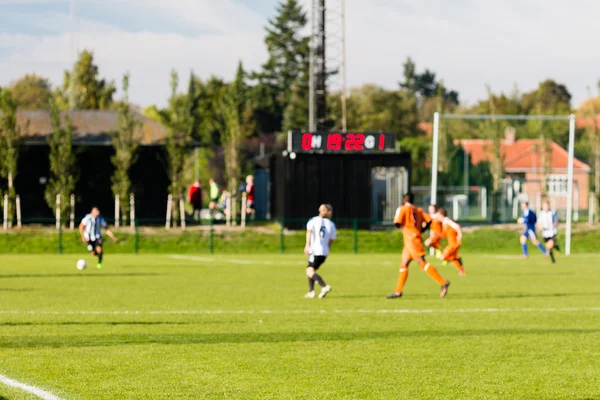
(364, 187)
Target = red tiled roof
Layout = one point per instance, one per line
(584, 122)
(522, 155)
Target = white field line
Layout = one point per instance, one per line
(42, 394)
(284, 312)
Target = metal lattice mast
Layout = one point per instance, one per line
(327, 63)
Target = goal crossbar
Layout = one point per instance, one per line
(571, 151)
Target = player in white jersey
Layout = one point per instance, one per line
(320, 234)
(548, 219)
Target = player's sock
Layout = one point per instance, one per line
(402, 279)
(542, 248)
(317, 278)
(525, 251)
(100, 256)
(458, 265)
(552, 256)
(311, 284)
(433, 273)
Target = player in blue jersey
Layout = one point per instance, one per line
(530, 219)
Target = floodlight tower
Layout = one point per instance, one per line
(327, 63)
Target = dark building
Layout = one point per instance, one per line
(93, 149)
(363, 187)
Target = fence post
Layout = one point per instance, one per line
(484, 203)
(228, 211)
(281, 237)
(72, 214)
(211, 246)
(169, 205)
(136, 239)
(182, 213)
(591, 208)
(132, 211)
(243, 210)
(58, 212)
(18, 204)
(60, 249)
(5, 213)
(355, 235)
(117, 211)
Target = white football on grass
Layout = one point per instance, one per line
(81, 265)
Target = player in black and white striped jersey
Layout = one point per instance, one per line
(320, 234)
(548, 219)
(90, 229)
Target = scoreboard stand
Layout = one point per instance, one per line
(361, 174)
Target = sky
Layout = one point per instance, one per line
(468, 43)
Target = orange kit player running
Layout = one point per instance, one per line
(413, 220)
(453, 233)
(434, 241)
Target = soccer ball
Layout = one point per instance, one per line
(81, 265)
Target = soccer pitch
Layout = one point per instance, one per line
(189, 327)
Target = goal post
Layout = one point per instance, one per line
(437, 117)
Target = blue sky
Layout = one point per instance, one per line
(469, 43)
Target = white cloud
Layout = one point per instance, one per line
(467, 42)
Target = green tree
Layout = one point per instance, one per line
(424, 85)
(373, 108)
(10, 136)
(240, 125)
(176, 121)
(63, 169)
(31, 92)
(284, 77)
(83, 89)
(125, 141)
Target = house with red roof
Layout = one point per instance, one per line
(523, 160)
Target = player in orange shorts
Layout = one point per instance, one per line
(453, 233)
(434, 241)
(413, 220)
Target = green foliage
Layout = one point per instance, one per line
(125, 141)
(10, 137)
(177, 120)
(284, 77)
(63, 169)
(425, 85)
(238, 115)
(373, 108)
(31, 92)
(82, 88)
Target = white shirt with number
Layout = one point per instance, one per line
(548, 219)
(323, 230)
(92, 227)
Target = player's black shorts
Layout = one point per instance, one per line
(547, 239)
(316, 261)
(92, 244)
(250, 204)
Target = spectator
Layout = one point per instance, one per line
(195, 198)
(214, 194)
(224, 202)
(250, 207)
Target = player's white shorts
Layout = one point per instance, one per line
(530, 234)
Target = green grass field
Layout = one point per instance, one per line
(238, 327)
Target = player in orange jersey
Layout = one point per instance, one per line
(453, 233)
(434, 241)
(413, 220)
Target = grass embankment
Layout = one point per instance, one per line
(268, 239)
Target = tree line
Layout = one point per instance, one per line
(219, 115)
